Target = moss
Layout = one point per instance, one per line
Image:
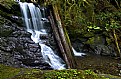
(19, 73)
(28, 73)
(90, 41)
(8, 72)
(108, 40)
(5, 33)
(66, 35)
(7, 3)
(88, 34)
(72, 74)
(9, 8)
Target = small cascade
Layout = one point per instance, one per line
(77, 53)
(34, 23)
(51, 58)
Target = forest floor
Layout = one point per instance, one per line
(28, 73)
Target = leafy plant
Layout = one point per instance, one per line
(72, 74)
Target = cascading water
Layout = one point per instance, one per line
(77, 53)
(34, 24)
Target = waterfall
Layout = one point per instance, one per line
(34, 23)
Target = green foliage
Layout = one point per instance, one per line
(85, 15)
(89, 72)
(105, 21)
(62, 74)
(72, 74)
(72, 11)
(109, 20)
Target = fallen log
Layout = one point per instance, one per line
(56, 34)
(65, 46)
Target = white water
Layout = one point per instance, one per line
(77, 53)
(49, 56)
(32, 18)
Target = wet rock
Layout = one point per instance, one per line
(94, 44)
(17, 49)
(104, 50)
(77, 45)
(31, 62)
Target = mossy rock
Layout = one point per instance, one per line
(88, 34)
(8, 72)
(5, 27)
(29, 73)
(72, 74)
(1, 21)
(5, 33)
(9, 8)
(90, 41)
(7, 3)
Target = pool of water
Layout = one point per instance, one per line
(100, 64)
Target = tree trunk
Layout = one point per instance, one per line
(68, 53)
(57, 36)
(116, 42)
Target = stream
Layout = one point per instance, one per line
(99, 64)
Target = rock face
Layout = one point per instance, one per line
(95, 43)
(17, 49)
